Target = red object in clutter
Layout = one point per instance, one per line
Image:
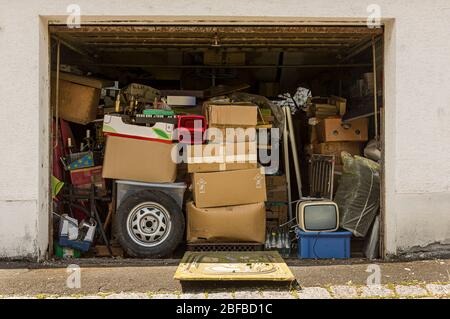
(86, 176)
(188, 126)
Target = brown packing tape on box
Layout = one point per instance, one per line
(241, 223)
(221, 157)
(228, 188)
(138, 160)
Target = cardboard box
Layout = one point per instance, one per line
(77, 103)
(114, 125)
(138, 160)
(242, 223)
(335, 148)
(231, 115)
(333, 130)
(228, 188)
(221, 157)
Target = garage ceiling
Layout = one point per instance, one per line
(95, 40)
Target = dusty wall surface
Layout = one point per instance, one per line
(417, 77)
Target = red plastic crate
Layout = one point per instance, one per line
(186, 125)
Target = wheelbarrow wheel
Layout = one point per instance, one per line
(149, 224)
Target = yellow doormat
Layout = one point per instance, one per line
(233, 266)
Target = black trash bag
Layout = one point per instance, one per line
(358, 194)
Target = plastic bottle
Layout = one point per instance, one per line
(280, 243)
(287, 245)
(267, 242)
(273, 241)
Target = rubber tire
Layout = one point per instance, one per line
(166, 247)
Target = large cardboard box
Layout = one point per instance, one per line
(231, 115)
(332, 129)
(335, 148)
(138, 160)
(229, 188)
(77, 103)
(221, 157)
(241, 223)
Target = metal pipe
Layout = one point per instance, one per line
(286, 167)
(375, 90)
(287, 111)
(166, 66)
(58, 62)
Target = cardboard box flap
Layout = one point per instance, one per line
(84, 80)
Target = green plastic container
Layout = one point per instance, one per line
(65, 252)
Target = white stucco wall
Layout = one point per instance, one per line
(417, 83)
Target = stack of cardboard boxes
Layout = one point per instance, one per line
(229, 189)
(277, 201)
(332, 136)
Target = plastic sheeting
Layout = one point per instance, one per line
(358, 194)
(297, 101)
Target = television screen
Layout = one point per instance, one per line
(320, 217)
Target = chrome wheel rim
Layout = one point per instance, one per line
(148, 224)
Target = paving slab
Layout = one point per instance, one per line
(278, 294)
(376, 291)
(127, 296)
(314, 293)
(219, 295)
(439, 289)
(193, 295)
(164, 296)
(247, 294)
(410, 291)
(344, 292)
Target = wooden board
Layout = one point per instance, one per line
(233, 266)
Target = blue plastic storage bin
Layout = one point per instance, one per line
(320, 245)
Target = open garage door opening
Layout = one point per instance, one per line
(121, 95)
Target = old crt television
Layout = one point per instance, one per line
(318, 216)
